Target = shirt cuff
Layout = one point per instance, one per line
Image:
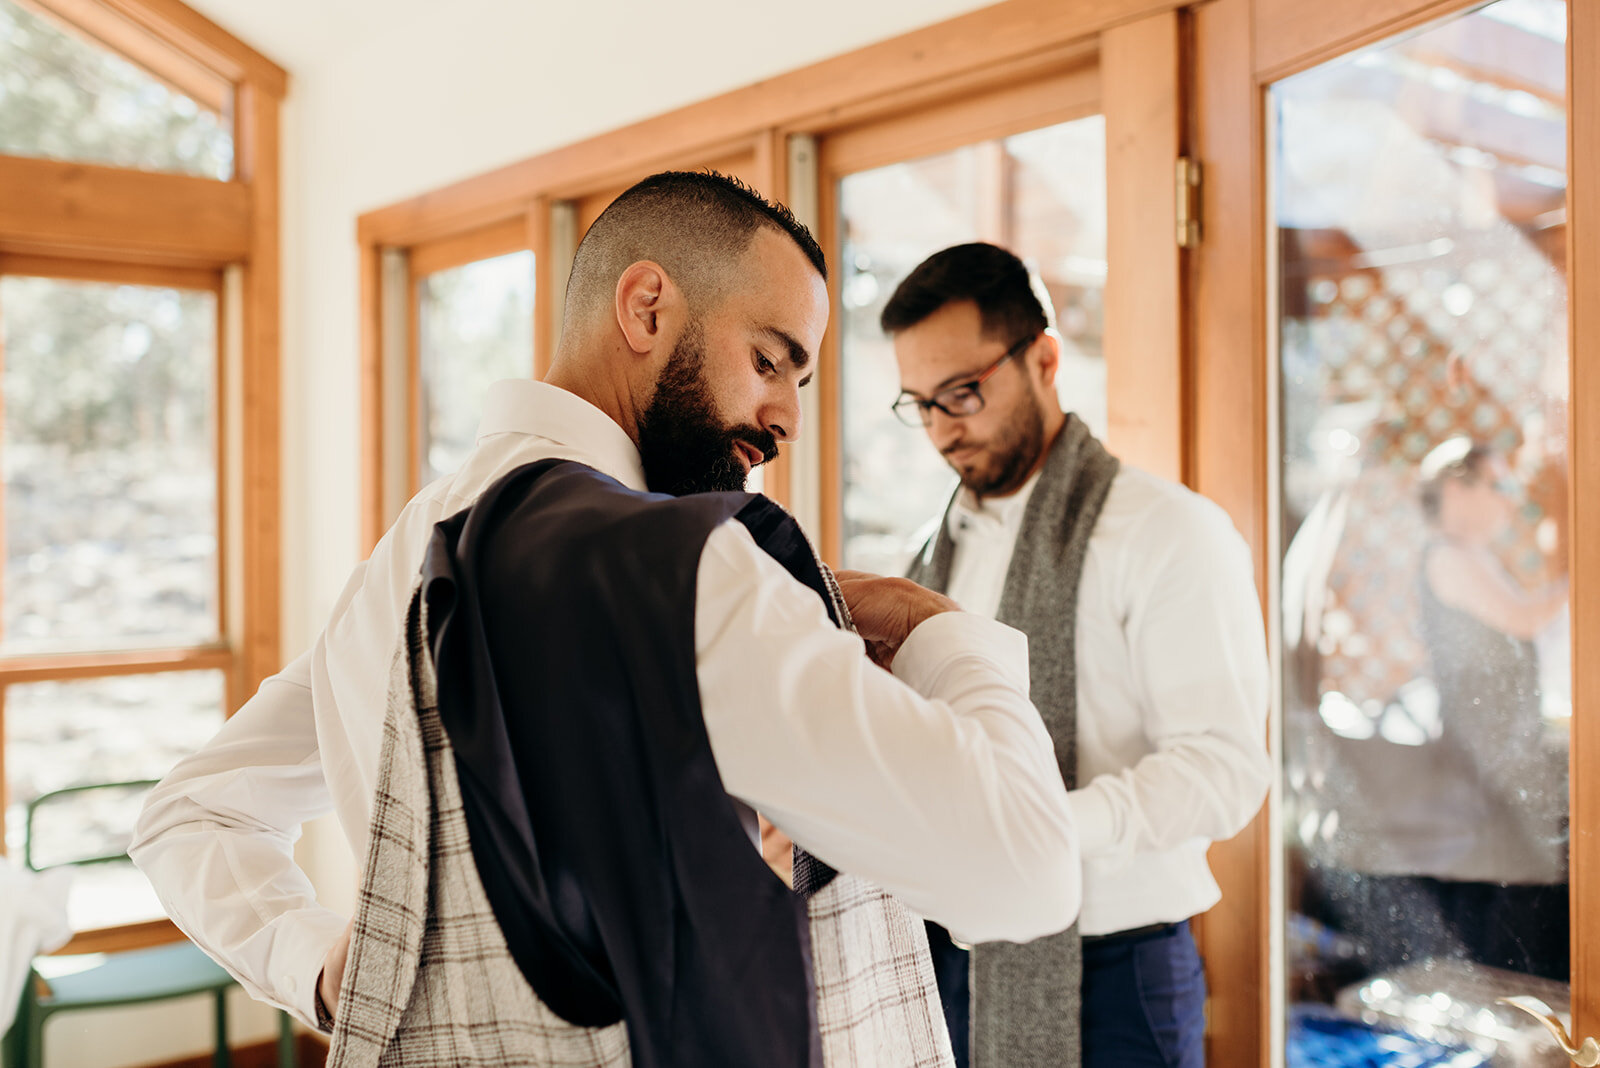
(302, 946)
(1097, 825)
(942, 641)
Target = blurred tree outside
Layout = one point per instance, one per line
(63, 97)
(108, 438)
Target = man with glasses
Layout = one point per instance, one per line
(1148, 663)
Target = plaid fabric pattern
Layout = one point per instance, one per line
(877, 1000)
(430, 980)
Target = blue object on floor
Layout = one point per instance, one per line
(1317, 1040)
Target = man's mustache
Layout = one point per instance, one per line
(765, 441)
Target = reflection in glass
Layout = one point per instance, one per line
(1420, 211)
(63, 97)
(110, 467)
(476, 328)
(62, 734)
(1040, 194)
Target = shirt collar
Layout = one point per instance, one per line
(992, 513)
(523, 406)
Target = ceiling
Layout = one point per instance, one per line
(302, 34)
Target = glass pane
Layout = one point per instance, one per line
(66, 734)
(63, 97)
(110, 467)
(1040, 194)
(1421, 226)
(476, 328)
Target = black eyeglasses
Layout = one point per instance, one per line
(957, 401)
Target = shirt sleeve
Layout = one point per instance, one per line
(1198, 654)
(216, 839)
(937, 782)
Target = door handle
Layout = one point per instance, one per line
(1585, 1056)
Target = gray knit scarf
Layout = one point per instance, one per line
(1026, 999)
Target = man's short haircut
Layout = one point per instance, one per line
(695, 224)
(1009, 306)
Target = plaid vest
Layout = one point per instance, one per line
(430, 979)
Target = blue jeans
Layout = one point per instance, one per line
(1144, 999)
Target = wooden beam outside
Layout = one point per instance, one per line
(811, 98)
(1500, 54)
(116, 214)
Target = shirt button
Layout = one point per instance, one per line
(289, 985)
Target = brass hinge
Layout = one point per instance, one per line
(1188, 187)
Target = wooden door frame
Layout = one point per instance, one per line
(1239, 48)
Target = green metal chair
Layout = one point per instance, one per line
(133, 977)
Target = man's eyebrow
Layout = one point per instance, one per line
(962, 379)
(959, 379)
(799, 358)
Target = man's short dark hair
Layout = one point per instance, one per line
(695, 224)
(988, 275)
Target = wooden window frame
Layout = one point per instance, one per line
(89, 222)
(1240, 48)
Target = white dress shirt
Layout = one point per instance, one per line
(936, 782)
(1171, 685)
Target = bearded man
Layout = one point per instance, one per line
(1148, 664)
(609, 660)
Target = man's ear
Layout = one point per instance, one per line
(1049, 350)
(642, 292)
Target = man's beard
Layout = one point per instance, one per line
(684, 446)
(1005, 465)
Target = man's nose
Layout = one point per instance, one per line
(781, 415)
(943, 430)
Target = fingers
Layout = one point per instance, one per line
(882, 654)
(777, 850)
(332, 977)
(847, 575)
(888, 609)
